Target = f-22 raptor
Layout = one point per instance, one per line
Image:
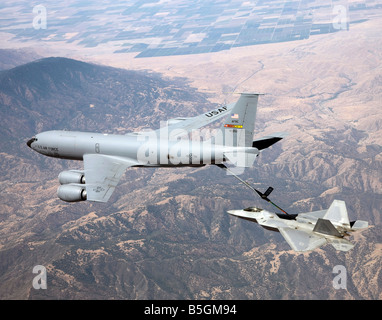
(107, 156)
(307, 231)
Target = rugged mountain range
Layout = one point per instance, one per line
(165, 233)
(10, 58)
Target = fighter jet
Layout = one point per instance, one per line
(308, 231)
(107, 156)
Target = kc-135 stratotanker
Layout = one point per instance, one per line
(107, 156)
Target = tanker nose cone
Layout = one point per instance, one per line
(30, 141)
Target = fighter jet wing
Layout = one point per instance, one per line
(301, 240)
(102, 174)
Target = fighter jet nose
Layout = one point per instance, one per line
(30, 141)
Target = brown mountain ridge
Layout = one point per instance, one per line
(165, 233)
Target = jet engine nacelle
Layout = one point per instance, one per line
(175, 120)
(71, 176)
(71, 193)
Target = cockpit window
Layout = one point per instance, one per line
(253, 209)
(30, 141)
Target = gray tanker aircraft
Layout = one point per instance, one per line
(307, 231)
(107, 156)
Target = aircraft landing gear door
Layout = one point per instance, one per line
(97, 148)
